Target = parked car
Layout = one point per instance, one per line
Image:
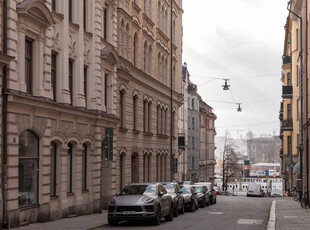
(141, 201)
(203, 195)
(174, 190)
(190, 198)
(210, 188)
(254, 189)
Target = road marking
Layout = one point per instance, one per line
(272, 217)
(290, 217)
(250, 221)
(216, 213)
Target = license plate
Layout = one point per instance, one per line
(128, 212)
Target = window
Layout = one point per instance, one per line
(28, 168)
(134, 107)
(105, 22)
(106, 89)
(84, 14)
(70, 78)
(54, 5)
(145, 105)
(84, 167)
(70, 10)
(289, 111)
(193, 103)
(28, 65)
(158, 119)
(135, 50)
(193, 142)
(53, 169)
(145, 57)
(289, 145)
(85, 84)
(54, 75)
(69, 168)
(193, 123)
(122, 107)
(289, 79)
(150, 117)
(193, 163)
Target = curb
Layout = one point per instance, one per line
(272, 216)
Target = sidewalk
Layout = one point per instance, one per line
(290, 215)
(80, 222)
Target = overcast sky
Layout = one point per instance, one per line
(241, 40)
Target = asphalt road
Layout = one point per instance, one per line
(230, 212)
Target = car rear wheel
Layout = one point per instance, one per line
(170, 216)
(193, 208)
(176, 210)
(157, 219)
(182, 210)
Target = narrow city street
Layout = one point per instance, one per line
(230, 212)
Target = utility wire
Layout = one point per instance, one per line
(261, 123)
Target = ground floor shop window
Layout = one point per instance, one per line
(28, 168)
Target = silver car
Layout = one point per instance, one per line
(141, 201)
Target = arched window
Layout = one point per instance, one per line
(126, 48)
(159, 14)
(28, 168)
(122, 108)
(121, 38)
(145, 57)
(84, 167)
(150, 54)
(135, 111)
(69, 168)
(136, 50)
(158, 68)
(134, 168)
(53, 169)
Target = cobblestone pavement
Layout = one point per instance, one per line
(290, 215)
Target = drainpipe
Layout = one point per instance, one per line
(171, 91)
(301, 102)
(4, 117)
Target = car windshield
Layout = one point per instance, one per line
(147, 190)
(169, 188)
(198, 189)
(208, 186)
(186, 190)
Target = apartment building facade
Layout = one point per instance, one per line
(290, 105)
(206, 142)
(149, 94)
(61, 107)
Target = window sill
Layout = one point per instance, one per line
(148, 133)
(162, 135)
(29, 206)
(135, 131)
(123, 130)
(85, 190)
(54, 197)
(148, 19)
(70, 194)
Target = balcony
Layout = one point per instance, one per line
(286, 60)
(287, 125)
(287, 91)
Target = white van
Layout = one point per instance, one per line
(254, 189)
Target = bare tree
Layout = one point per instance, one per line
(231, 169)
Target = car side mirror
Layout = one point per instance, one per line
(180, 192)
(195, 193)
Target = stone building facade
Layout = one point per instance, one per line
(206, 142)
(61, 107)
(148, 103)
(289, 115)
(193, 133)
